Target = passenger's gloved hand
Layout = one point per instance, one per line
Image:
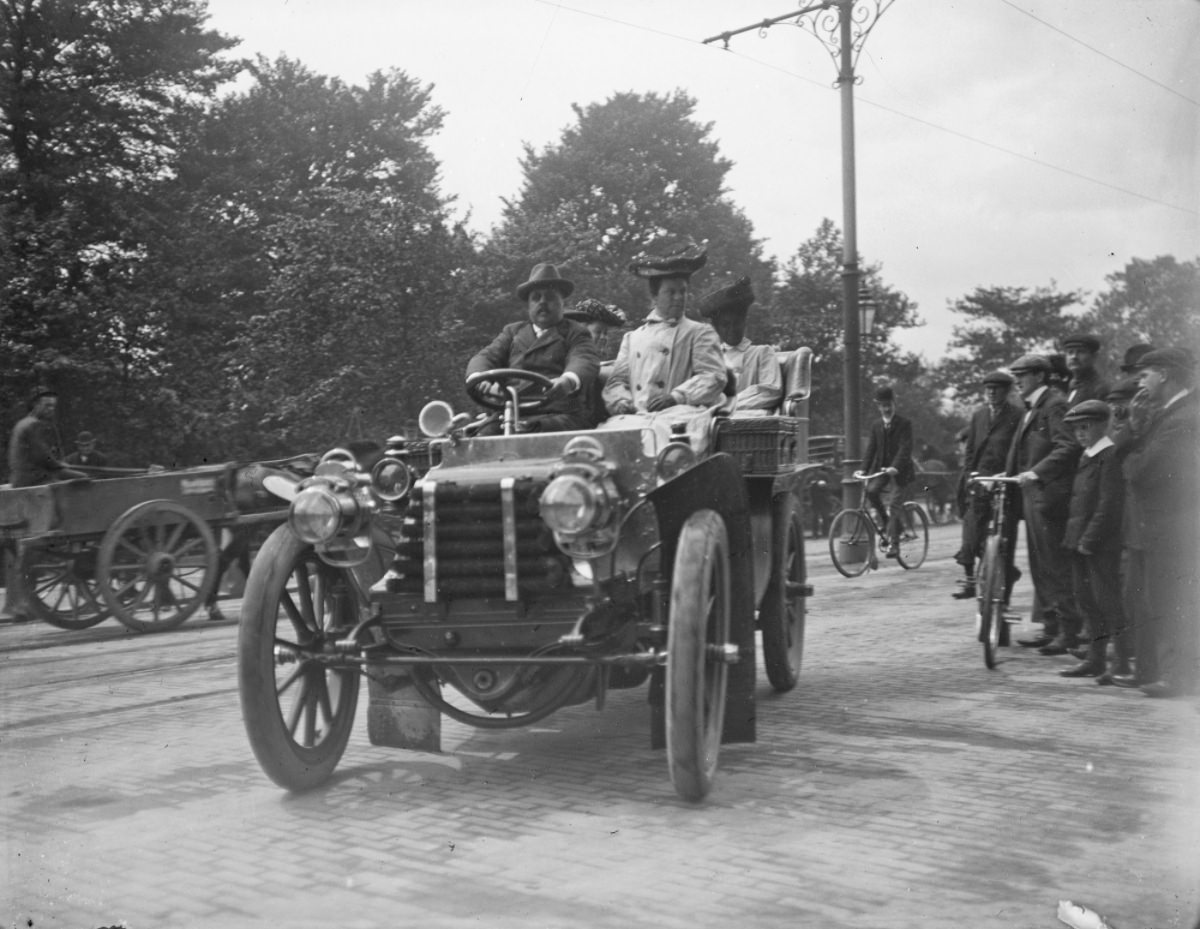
(621, 407)
(661, 403)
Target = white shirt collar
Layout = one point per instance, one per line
(1179, 396)
(1033, 398)
(1098, 447)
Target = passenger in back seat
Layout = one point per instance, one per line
(600, 319)
(755, 367)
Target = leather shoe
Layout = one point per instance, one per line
(1080, 653)
(1036, 642)
(967, 592)
(1055, 647)
(1159, 689)
(1123, 680)
(1087, 669)
(1105, 679)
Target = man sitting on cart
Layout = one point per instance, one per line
(32, 457)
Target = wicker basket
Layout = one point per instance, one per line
(768, 445)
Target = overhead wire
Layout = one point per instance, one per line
(917, 119)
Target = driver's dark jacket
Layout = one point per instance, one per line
(31, 458)
(562, 348)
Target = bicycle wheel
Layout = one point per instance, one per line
(851, 542)
(914, 537)
(991, 600)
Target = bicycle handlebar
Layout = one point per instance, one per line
(858, 475)
(997, 479)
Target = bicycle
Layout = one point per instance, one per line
(992, 585)
(853, 532)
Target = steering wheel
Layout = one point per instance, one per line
(502, 377)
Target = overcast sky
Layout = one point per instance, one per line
(999, 142)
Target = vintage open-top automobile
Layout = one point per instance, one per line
(497, 579)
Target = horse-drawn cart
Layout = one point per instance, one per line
(142, 548)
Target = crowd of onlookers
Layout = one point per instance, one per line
(1109, 480)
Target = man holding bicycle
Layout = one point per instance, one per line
(889, 449)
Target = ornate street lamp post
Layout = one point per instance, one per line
(842, 27)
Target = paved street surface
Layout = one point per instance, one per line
(900, 785)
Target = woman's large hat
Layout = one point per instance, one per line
(735, 297)
(670, 256)
(545, 275)
(592, 310)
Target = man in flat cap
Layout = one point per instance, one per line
(1042, 456)
(889, 449)
(755, 368)
(988, 438)
(669, 360)
(1093, 541)
(550, 345)
(1086, 382)
(33, 456)
(1161, 473)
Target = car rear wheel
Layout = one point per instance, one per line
(697, 673)
(784, 604)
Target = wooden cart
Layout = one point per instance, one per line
(142, 548)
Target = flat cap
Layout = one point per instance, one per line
(1171, 357)
(1084, 340)
(1089, 411)
(1133, 355)
(999, 378)
(736, 296)
(1123, 390)
(592, 310)
(1030, 363)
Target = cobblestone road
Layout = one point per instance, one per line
(900, 785)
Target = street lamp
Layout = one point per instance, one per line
(866, 309)
(842, 27)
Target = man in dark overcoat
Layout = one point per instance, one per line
(989, 436)
(547, 344)
(1161, 471)
(889, 449)
(1043, 456)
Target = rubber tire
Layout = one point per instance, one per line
(117, 572)
(289, 762)
(781, 617)
(991, 600)
(696, 680)
(57, 573)
(851, 525)
(911, 554)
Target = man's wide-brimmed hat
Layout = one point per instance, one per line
(999, 378)
(1089, 411)
(735, 297)
(1179, 358)
(1085, 340)
(1133, 356)
(1030, 363)
(592, 310)
(670, 256)
(545, 275)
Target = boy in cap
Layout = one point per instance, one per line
(756, 372)
(550, 345)
(1161, 471)
(669, 360)
(1086, 382)
(1043, 456)
(1093, 538)
(989, 435)
(889, 449)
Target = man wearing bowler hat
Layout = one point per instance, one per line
(755, 369)
(546, 344)
(988, 437)
(85, 452)
(1043, 455)
(889, 449)
(1161, 473)
(1086, 382)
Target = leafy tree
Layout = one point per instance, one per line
(1155, 301)
(628, 170)
(1001, 324)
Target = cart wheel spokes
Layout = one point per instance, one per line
(60, 583)
(697, 672)
(298, 707)
(157, 565)
(785, 603)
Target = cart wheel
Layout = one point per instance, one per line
(784, 603)
(297, 709)
(851, 542)
(697, 673)
(158, 563)
(991, 600)
(60, 583)
(914, 537)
